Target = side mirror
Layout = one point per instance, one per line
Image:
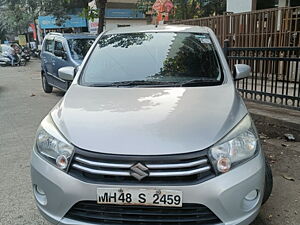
(60, 53)
(241, 71)
(66, 73)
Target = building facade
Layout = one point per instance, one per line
(118, 13)
(239, 6)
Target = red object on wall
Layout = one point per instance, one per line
(163, 8)
(168, 6)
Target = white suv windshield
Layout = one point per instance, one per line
(153, 59)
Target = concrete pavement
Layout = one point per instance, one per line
(22, 106)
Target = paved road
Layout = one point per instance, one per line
(23, 105)
(20, 115)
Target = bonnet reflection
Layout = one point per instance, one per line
(162, 102)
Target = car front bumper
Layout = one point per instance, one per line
(224, 195)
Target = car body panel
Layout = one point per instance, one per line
(147, 121)
(217, 194)
(59, 62)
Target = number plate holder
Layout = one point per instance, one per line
(132, 196)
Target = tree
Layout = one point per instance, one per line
(92, 13)
(188, 9)
(263, 4)
(212, 7)
(15, 20)
(20, 13)
(101, 5)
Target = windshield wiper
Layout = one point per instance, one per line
(135, 83)
(200, 82)
(152, 83)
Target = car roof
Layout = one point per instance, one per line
(72, 36)
(159, 28)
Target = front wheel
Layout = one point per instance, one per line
(22, 62)
(46, 87)
(268, 183)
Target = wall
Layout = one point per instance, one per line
(113, 23)
(238, 6)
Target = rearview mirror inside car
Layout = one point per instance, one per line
(241, 71)
(66, 73)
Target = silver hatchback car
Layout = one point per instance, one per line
(151, 131)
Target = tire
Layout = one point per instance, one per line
(268, 183)
(46, 87)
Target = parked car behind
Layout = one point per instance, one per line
(151, 131)
(60, 50)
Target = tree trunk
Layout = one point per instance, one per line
(101, 5)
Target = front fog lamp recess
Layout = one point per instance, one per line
(252, 195)
(40, 195)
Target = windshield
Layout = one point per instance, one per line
(79, 47)
(168, 59)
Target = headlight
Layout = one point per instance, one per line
(51, 144)
(239, 145)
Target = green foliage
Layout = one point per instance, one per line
(57, 8)
(145, 6)
(19, 13)
(90, 13)
(16, 21)
(263, 4)
(212, 7)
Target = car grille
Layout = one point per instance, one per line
(91, 212)
(164, 170)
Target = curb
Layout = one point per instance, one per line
(275, 121)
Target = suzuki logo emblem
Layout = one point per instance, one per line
(139, 171)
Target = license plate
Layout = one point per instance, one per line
(127, 196)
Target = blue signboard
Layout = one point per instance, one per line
(48, 22)
(123, 13)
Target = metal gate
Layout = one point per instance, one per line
(269, 42)
(275, 77)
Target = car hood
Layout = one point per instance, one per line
(147, 121)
